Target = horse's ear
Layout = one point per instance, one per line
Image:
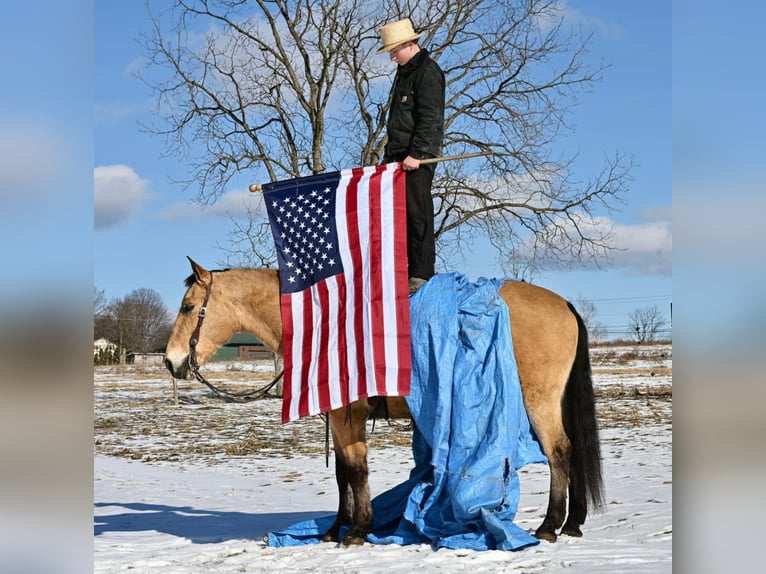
(201, 274)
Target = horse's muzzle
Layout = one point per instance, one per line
(180, 371)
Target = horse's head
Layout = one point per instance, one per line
(207, 333)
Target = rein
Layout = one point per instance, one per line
(194, 366)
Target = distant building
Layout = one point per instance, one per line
(145, 359)
(103, 346)
(243, 347)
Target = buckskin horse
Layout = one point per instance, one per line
(551, 350)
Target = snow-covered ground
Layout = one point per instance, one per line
(194, 487)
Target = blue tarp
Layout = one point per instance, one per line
(472, 432)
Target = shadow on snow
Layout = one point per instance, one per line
(199, 526)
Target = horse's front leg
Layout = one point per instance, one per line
(348, 426)
(345, 499)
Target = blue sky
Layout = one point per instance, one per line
(146, 225)
(45, 153)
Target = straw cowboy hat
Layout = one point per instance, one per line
(397, 33)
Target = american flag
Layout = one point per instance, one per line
(341, 242)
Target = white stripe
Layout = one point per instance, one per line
(344, 249)
(332, 360)
(295, 380)
(314, 338)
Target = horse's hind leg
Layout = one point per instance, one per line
(543, 374)
(557, 448)
(578, 507)
(354, 508)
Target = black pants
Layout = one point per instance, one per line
(421, 249)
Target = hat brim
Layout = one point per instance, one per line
(392, 45)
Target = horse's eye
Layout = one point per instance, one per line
(186, 309)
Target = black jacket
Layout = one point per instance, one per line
(416, 116)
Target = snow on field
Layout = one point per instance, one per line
(192, 488)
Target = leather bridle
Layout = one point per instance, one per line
(194, 365)
(194, 338)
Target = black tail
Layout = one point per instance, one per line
(579, 406)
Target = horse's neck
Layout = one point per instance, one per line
(258, 305)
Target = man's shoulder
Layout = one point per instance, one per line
(426, 64)
(427, 60)
(429, 67)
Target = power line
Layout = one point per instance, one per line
(632, 299)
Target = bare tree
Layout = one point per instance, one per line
(588, 311)
(645, 323)
(287, 88)
(139, 322)
(99, 301)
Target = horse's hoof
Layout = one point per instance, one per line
(546, 535)
(571, 530)
(331, 535)
(351, 539)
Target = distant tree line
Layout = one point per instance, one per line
(136, 323)
(645, 325)
(140, 323)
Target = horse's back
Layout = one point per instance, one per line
(544, 332)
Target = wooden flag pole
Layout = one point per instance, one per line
(460, 156)
(255, 187)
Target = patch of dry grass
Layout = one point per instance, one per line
(135, 416)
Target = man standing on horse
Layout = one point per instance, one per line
(415, 132)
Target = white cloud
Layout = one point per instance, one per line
(645, 248)
(641, 248)
(119, 193)
(232, 204)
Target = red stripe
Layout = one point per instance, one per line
(352, 226)
(343, 375)
(287, 355)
